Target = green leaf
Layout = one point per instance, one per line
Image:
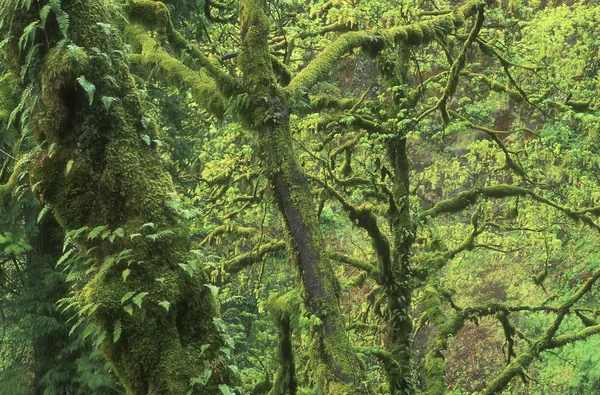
(127, 296)
(88, 87)
(69, 167)
(147, 225)
(107, 102)
(96, 232)
(125, 274)
(117, 331)
(166, 305)
(213, 289)
(137, 300)
(119, 232)
(128, 309)
(42, 213)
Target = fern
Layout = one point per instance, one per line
(117, 331)
(96, 232)
(160, 235)
(28, 36)
(61, 17)
(88, 87)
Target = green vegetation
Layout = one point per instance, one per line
(322, 197)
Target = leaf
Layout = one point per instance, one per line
(127, 296)
(69, 166)
(225, 389)
(125, 274)
(147, 225)
(166, 305)
(119, 232)
(117, 331)
(106, 27)
(137, 300)
(43, 213)
(213, 289)
(61, 17)
(96, 232)
(44, 14)
(65, 257)
(107, 101)
(88, 87)
(128, 309)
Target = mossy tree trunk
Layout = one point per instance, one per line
(397, 278)
(333, 361)
(95, 169)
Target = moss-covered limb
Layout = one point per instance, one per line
(240, 262)
(228, 85)
(419, 33)
(280, 42)
(496, 86)
(435, 360)
(364, 217)
(383, 355)
(283, 73)
(230, 228)
(101, 172)
(467, 198)
(203, 88)
(154, 15)
(458, 65)
(285, 310)
(333, 361)
(368, 267)
(319, 103)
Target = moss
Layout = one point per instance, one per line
(153, 15)
(415, 34)
(202, 87)
(95, 170)
(502, 191)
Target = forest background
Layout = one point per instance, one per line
(299, 197)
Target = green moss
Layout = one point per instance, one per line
(501, 191)
(415, 34)
(153, 15)
(202, 87)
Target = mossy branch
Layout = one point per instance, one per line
(239, 262)
(202, 87)
(154, 15)
(419, 33)
(368, 267)
(467, 198)
(457, 66)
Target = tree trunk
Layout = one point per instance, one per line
(334, 363)
(397, 279)
(95, 168)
